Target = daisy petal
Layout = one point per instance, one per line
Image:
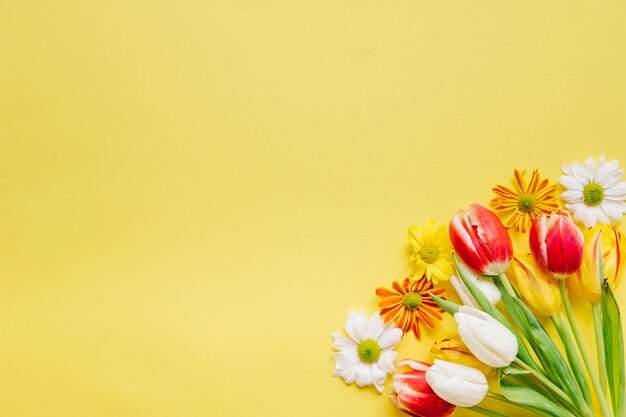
(590, 217)
(379, 376)
(356, 327)
(580, 173)
(601, 215)
(343, 342)
(571, 183)
(390, 338)
(572, 196)
(386, 360)
(616, 192)
(375, 327)
(364, 375)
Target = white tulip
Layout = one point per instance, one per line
(485, 285)
(457, 384)
(486, 337)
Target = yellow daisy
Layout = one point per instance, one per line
(526, 201)
(432, 252)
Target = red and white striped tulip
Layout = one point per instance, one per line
(557, 244)
(481, 240)
(411, 393)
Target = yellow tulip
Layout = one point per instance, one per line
(452, 349)
(586, 282)
(540, 291)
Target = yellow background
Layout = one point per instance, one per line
(193, 194)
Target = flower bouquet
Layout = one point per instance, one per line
(517, 339)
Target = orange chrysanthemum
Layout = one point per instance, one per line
(409, 304)
(526, 201)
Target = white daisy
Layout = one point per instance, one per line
(366, 356)
(594, 191)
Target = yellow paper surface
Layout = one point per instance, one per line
(193, 194)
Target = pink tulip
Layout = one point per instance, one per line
(412, 394)
(481, 240)
(557, 244)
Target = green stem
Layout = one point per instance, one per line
(486, 412)
(507, 286)
(572, 355)
(597, 325)
(583, 350)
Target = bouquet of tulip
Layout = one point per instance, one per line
(509, 302)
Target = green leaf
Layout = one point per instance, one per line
(572, 356)
(521, 394)
(551, 357)
(614, 348)
(450, 307)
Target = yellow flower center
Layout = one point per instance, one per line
(411, 300)
(429, 254)
(368, 351)
(526, 203)
(593, 194)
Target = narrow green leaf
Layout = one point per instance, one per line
(551, 357)
(573, 359)
(614, 348)
(450, 307)
(521, 394)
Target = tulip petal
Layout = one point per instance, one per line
(463, 292)
(485, 337)
(458, 384)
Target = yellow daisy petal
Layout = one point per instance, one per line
(526, 202)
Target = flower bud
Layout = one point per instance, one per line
(411, 393)
(485, 285)
(452, 349)
(481, 240)
(586, 283)
(556, 244)
(538, 290)
(486, 337)
(458, 384)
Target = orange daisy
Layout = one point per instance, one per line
(409, 303)
(526, 201)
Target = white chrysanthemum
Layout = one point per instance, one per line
(367, 356)
(594, 191)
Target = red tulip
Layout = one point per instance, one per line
(557, 244)
(481, 240)
(412, 394)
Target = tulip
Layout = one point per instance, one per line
(586, 283)
(452, 349)
(486, 337)
(485, 285)
(411, 393)
(557, 244)
(540, 291)
(458, 384)
(481, 240)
